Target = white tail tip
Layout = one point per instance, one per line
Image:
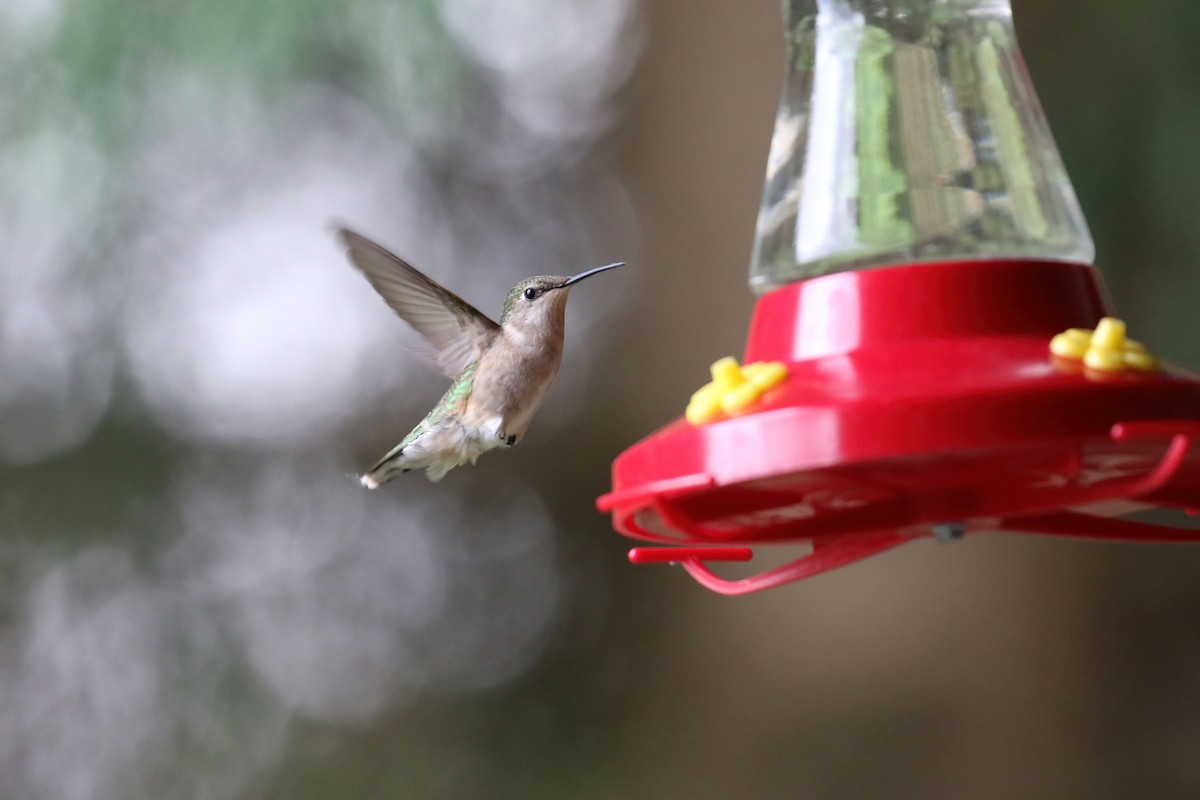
(369, 482)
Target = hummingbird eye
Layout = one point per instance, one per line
(531, 293)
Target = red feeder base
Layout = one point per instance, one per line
(921, 401)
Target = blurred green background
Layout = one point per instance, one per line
(198, 601)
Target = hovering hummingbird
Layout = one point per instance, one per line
(501, 371)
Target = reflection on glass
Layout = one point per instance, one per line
(909, 131)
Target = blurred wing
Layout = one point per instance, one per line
(457, 331)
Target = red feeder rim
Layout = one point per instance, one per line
(921, 400)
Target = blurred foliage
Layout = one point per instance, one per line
(195, 599)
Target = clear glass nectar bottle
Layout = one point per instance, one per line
(909, 131)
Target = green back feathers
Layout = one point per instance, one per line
(451, 401)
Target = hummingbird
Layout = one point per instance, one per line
(501, 371)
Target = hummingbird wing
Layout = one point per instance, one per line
(458, 332)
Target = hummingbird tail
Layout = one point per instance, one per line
(379, 476)
(398, 462)
(373, 480)
(385, 469)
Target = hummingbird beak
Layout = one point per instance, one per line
(589, 273)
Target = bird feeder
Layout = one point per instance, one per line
(932, 354)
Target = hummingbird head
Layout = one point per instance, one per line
(540, 302)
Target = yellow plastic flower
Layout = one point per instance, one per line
(1105, 349)
(733, 388)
